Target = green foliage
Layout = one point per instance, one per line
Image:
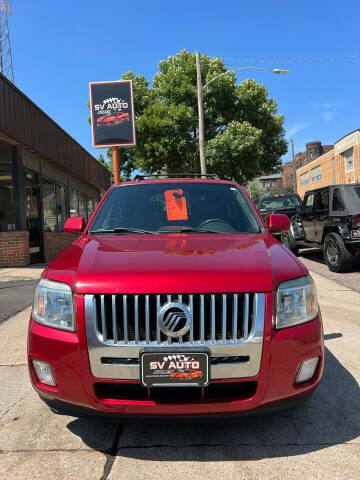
(244, 134)
(256, 190)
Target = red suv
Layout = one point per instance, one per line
(175, 275)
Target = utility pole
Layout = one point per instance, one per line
(201, 114)
(116, 168)
(292, 148)
(6, 67)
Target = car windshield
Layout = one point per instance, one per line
(279, 202)
(190, 207)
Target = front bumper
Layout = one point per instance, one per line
(283, 352)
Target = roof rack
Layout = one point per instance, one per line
(177, 175)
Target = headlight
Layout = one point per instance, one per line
(296, 302)
(53, 305)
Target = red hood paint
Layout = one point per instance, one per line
(175, 263)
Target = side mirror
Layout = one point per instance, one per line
(74, 225)
(278, 223)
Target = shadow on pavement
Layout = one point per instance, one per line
(330, 417)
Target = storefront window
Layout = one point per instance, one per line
(48, 190)
(60, 206)
(7, 219)
(90, 206)
(82, 206)
(74, 203)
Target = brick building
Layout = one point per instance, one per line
(313, 151)
(339, 165)
(45, 177)
(271, 182)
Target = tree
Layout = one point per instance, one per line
(244, 134)
(256, 190)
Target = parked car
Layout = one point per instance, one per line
(169, 272)
(330, 219)
(113, 119)
(286, 203)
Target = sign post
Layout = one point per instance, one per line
(112, 118)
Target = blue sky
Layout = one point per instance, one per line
(58, 47)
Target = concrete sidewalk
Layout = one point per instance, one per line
(317, 441)
(32, 272)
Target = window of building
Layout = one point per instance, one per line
(337, 201)
(7, 218)
(82, 206)
(49, 205)
(61, 209)
(304, 179)
(316, 174)
(349, 159)
(309, 202)
(74, 203)
(90, 206)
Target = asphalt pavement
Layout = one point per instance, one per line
(319, 440)
(17, 286)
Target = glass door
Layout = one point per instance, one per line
(33, 217)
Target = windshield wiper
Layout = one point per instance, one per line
(123, 230)
(189, 230)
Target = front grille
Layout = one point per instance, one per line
(219, 392)
(133, 319)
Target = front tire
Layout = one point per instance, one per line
(337, 256)
(289, 242)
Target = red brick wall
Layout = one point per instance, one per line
(55, 242)
(14, 249)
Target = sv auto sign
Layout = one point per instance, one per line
(112, 114)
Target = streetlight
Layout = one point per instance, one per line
(200, 89)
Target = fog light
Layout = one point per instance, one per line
(307, 370)
(44, 373)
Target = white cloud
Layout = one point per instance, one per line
(328, 116)
(294, 129)
(329, 105)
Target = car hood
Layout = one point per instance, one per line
(175, 263)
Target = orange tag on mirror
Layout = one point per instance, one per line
(175, 205)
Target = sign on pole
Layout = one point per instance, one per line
(112, 114)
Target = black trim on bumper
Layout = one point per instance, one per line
(64, 408)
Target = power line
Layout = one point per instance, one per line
(295, 60)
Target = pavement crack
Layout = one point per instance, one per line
(50, 450)
(3, 320)
(111, 455)
(13, 405)
(12, 364)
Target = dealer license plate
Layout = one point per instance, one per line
(166, 368)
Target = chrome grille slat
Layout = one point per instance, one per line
(202, 314)
(125, 322)
(114, 318)
(217, 318)
(191, 308)
(246, 317)
(103, 320)
(147, 320)
(158, 336)
(223, 326)
(235, 317)
(136, 310)
(213, 318)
